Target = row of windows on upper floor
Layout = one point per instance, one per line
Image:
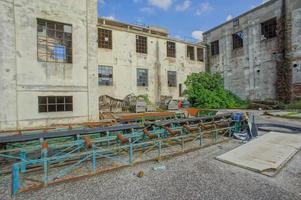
(268, 30)
(105, 41)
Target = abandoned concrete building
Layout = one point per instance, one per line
(259, 52)
(57, 59)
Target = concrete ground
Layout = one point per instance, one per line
(197, 175)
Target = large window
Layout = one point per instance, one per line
(215, 48)
(172, 78)
(200, 54)
(171, 49)
(104, 38)
(55, 103)
(105, 75)
(142, 77)
(237, 39)
(141, 44)
(269, 28)
(190, 52)
(54, 41)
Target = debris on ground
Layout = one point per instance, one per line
(159, 168)
(140, 174)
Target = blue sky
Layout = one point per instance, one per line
(185, 19)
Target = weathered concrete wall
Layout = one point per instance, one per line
(28, 78)
(124, 60)
(249, 72)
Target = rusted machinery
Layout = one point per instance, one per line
(42, 159)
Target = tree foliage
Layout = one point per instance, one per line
(206, 90)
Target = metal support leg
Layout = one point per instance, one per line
(45, 166)
(23, 164)
(94, 158)
(159, 149)
(131, 152)
(15, 179)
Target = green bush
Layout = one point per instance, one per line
(295, 105)
(206, 90)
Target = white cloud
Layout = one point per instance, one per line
(111, 17)
(198, 35)
(163, 4)
(147, 10)
(203, 8)
(183, 6)
(229, 17)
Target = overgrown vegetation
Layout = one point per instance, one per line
(206, 90)
(295, 105)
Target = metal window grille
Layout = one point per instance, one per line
(237, 39)
(104, 38)
(172, 78)
(54, 41)
(105, 75)
(55, 103)
(269, 28)
(141, 44)
(171, 49)
(142, 77)
(215, 48)
(190, 52)
(200, 54)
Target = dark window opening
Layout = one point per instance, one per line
(171, 49)
(200, 54)
(215, 48)
(190, 52)
(105, 75)
(142, 77)
(237, 39)
(104, 38)
(141, 44)
(172, 78)
(235, 22)
(55, 103)
(54, 41)
(269, 28)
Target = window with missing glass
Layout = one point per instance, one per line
(105, 75)
(54, 41)
(200, 54)
(237, 39)
(269, 28)
(55, 103)
(171, 49)
(215, 48)
(142, 77)
(172, 78)
(104, 38)
(190, 52)
(141, 44)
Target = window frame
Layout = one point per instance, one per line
(172, 78)
(269, 28)
(139, 78)
(47, 102)
(200, 54)
(237, 41)
(190, 49)
(102, 34)
(214, 48)
(62, 46)
(141, 44)
(171, 49)
(108, 75)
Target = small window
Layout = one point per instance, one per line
(104, 38)
(105, 75)
(200, 54)
(215, 48)
(190, 52)
(172, 78)
(141, 44)
(54, 41)
(235, 23)
(142, 77)
(55, 103)
(171, 49)
(269, 28)
(237, 39)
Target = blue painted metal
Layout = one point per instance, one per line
(15, 179)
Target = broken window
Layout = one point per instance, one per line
(142, 77)
(200, 54)
(105, 75)
(172, 78)
(104, 38)
(269, 28)
(237, 39)
(190, 52)
(141, 44)
(171, 49)
(55, 103)
(54, 41)
(215, 48)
